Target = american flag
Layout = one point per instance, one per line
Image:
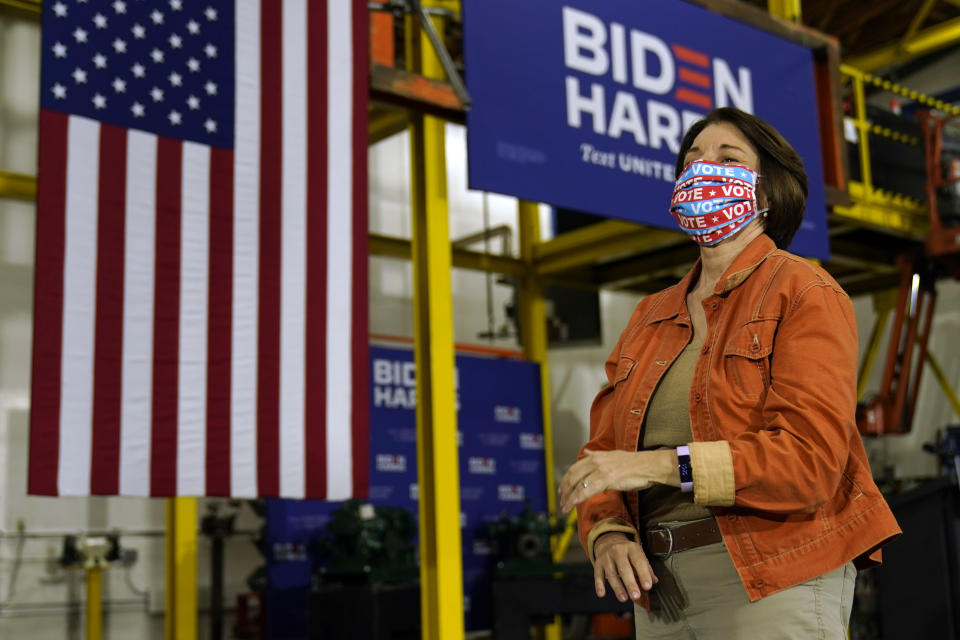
(201, 283)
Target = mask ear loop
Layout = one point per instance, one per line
(762, 212)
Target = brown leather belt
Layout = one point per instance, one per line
(664, 541)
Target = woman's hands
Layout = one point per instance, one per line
(623, 564)
(599, 471)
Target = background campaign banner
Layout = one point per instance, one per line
(500, 435)
(583, 104)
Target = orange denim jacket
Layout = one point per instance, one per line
(776, 452)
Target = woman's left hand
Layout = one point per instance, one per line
(600, 471)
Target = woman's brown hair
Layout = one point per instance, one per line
(782, 185)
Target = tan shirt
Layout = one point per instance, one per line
(667, 425)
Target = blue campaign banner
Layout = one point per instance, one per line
(583, 104)
(500, 435)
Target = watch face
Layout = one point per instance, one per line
(686, 473)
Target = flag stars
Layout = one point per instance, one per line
(210, 13)
(137, 109)
(60, 10)
(175, 117)
(138, 31)
(138, 70)
(210, 126)
(210, 88)
(79, 76)
(210, 50)
(176, 79)
(157, 17)
(100, 21)
(59, 91)
(59, 49)
(99, 101)
(120, 46)
(176, 5)
(156, 55)
(119, 85)
(157, 94)
(120, 6)
(175, 41)
(193, 27)
(193, 102)
(193, 64)
(80, 35)
(100, 61)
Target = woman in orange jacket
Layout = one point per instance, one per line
(725, 482)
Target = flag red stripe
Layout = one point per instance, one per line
(315, 440)
(271, 176)
(219, 322)
(166, 331)
(48, 305)
(360, 348)
(108, 329)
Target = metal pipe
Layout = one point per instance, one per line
(94, 602)
(944, 383)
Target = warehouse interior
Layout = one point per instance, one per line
(455, 271)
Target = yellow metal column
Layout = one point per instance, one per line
(441, 570)
(533, 332)
(181, 587)
(786, 9)
(94, 602)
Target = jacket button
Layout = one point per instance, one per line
(755, 347)
(715, 305)
(732, 517)
(706, 349)
(696, 397)
(758, 584)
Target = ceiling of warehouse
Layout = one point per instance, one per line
(862, 27)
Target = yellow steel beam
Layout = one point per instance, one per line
(392, 247)
(94, 602)
(918, 19)
(873, 348)
(596, 242)
(18, 186)
(533, 330)
(560, 550)
(181, 561)
(930, 39)
(786, 9)
(944, 383)
(885, 210)
(30, 6)
(384, 123)
(441, 571)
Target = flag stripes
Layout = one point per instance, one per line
(201, 312)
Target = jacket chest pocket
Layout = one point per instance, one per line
(746, 357)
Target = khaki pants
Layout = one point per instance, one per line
(718, 608)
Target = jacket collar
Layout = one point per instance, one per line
(674, 300)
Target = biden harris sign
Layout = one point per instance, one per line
(583, 104)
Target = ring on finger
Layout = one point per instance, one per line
(585, 483)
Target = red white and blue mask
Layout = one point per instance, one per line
(712, 201)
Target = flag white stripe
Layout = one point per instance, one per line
(293, 261)
(138, 295)
(192, 359)
(79, 306)
(246, 239)
(339, 249)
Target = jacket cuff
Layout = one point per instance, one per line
(607, 525)
(713, 484)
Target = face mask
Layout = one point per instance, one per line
(713, 202)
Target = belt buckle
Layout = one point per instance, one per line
(669, 551)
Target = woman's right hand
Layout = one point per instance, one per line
(623, 564)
